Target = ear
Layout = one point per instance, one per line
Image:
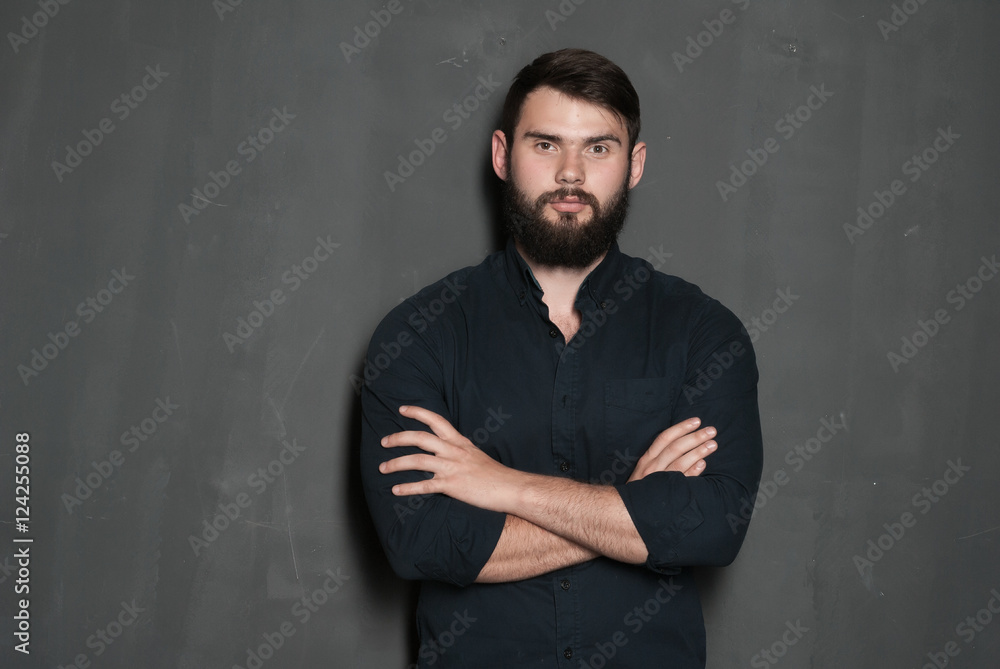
(500, 155)
(638, 163)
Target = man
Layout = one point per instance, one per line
(531, 450)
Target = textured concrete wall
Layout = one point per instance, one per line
(206, 207)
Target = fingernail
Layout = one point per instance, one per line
(385, 440)
(711, 445)
(381, 467)
(696, 421)
(403, 409)
(710, 431)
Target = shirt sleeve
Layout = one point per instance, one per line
(424, 536)
(687, 521)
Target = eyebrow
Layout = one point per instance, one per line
(557, 138)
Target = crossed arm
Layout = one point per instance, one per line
(551, 522)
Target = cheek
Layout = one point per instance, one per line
(530, 182)
(605, 188)
(531, 176)
(605, 182)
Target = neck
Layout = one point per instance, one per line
(560, 285)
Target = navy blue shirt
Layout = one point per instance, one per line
(479, 348)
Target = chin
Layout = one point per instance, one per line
(570, 219)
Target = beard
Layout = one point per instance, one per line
(566, 242)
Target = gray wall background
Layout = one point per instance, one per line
(228, 66)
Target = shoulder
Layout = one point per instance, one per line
(675, 297)
(446, 299)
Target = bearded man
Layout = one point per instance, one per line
(557, 435)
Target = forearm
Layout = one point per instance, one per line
(526, 550)
(592, 516)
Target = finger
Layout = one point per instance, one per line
(425, 487)
(679, 446)
(696, 469)
(422, 440)
(686, 443)
(673, 433)
(689, 459)
(668, 462)
(640, 471)
(660, 459)
(416, 462)
(436, 422)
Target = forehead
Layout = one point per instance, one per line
(548, 111)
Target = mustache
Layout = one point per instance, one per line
(566, 192)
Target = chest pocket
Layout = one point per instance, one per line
(635, 411)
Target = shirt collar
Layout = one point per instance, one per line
(597, 285)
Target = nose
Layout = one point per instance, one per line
(571, 171)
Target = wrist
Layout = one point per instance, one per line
(525, 494)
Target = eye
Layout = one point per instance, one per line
(544, 146)
(600, 149)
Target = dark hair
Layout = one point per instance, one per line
(580, 74)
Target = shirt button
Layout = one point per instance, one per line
(568, 653)
(604, 305)
(564, 466)
(553, 333)
(564, 584)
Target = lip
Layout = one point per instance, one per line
(568, 205)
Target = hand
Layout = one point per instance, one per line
(461, 470)
(679, 448)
